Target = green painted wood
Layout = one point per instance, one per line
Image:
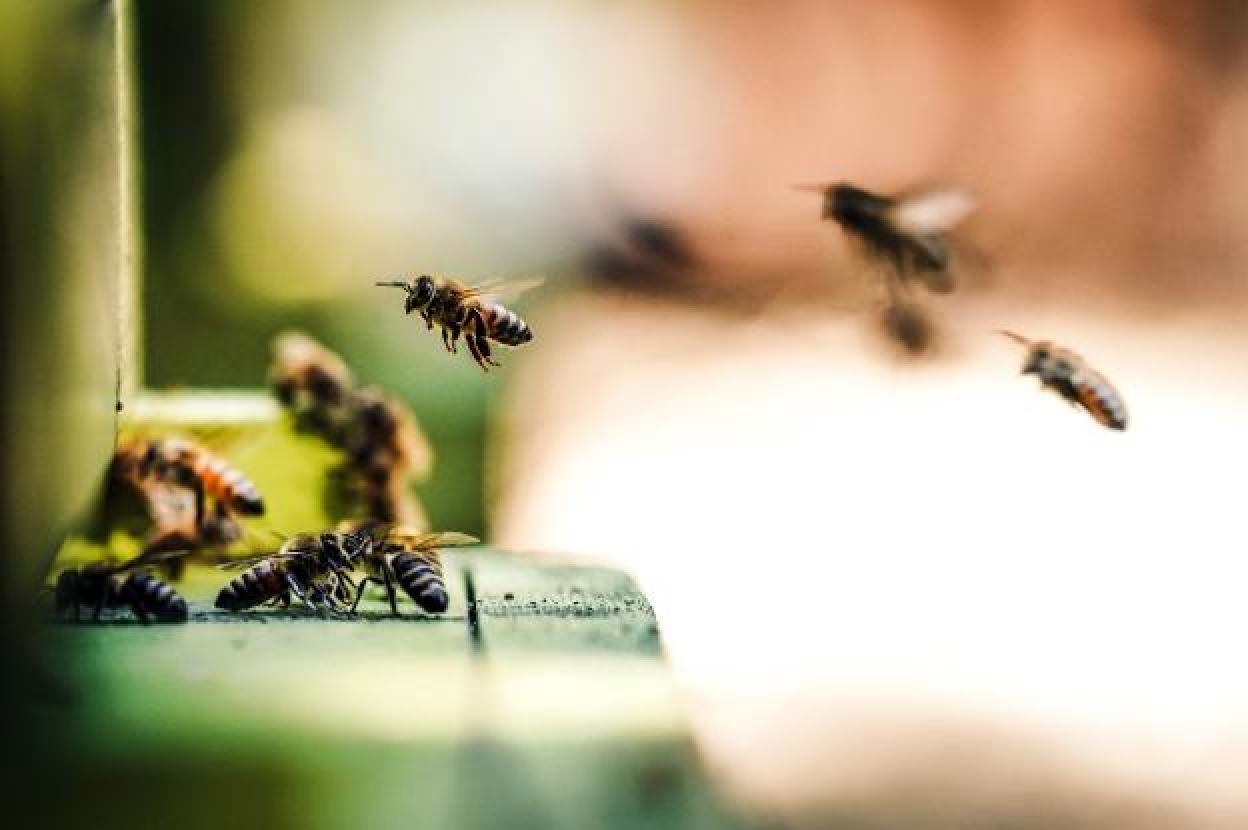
(559, 714)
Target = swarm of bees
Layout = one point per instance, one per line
(196, 499)
(469, 310)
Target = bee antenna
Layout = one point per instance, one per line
(810, 188)
(395, 284)
(1017, 338)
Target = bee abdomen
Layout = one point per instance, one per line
(155, 597)
(1102, 401)
(230, 485)
(250, 588)
(505, 326)
(422, 580)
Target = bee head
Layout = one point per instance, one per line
(333, 551)
(420, 294)
(1036, 360)
(844, 201)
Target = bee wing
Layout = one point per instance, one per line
(427, 541)
(504, 289)
(248, 561)
(932, 211)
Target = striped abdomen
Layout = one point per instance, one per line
(1067, 374)
(504, 325)
(255, 586)
(421, 577)
(152, 596)
(226, 484)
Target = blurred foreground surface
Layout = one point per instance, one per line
(919, 594)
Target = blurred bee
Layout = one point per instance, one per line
(1070, 376)
(312, 382)
(469, 310)
(185, 463)
(411, 561)
(909, 231)
(311, 567)
(385, 451)
(100, 585)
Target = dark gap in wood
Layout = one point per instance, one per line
(474, 614)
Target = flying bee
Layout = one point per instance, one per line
(909, 231)
(100, 585)
(311, 567)
(385, 452)
(473, 311)
(1070, 376)
(314, 383)
(411, 561)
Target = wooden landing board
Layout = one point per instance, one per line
(560, 713)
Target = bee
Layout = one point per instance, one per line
(312, 382)
(1070, 376)
(185, 463)
(908, 231)
(100, 585)
(385, 451)
(411, 561)
(311, 567)
(469, 310)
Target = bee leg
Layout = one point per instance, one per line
(388, 573)
(428, 320)
(99, 608)
(140, 612)
(446, 341)
(454, 339)
(471, 340)
(359, 592)
(483, 346)
(297, 591)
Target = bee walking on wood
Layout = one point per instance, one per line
(100, 585)
(908, 231)
(311, 567)
(411, 561)
(472, 311)
(1069, 375)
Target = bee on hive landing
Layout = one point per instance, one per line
(385, 452)
(1070, 376)
(185, 463)
(909, 231)
(312, 382)
(410, 561)
(311, 567)
(473, 311)
(100, 585)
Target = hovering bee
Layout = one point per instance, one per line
(908, 231)
(469, 310)
(411, 561)
(312, 382)
(311, 567)
(1070, 376)
(100, 585)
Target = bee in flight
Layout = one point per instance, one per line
(908, 231)
(473, 311)
(1070, 376)
(100, 585)
(411, 561)
(311, 567)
